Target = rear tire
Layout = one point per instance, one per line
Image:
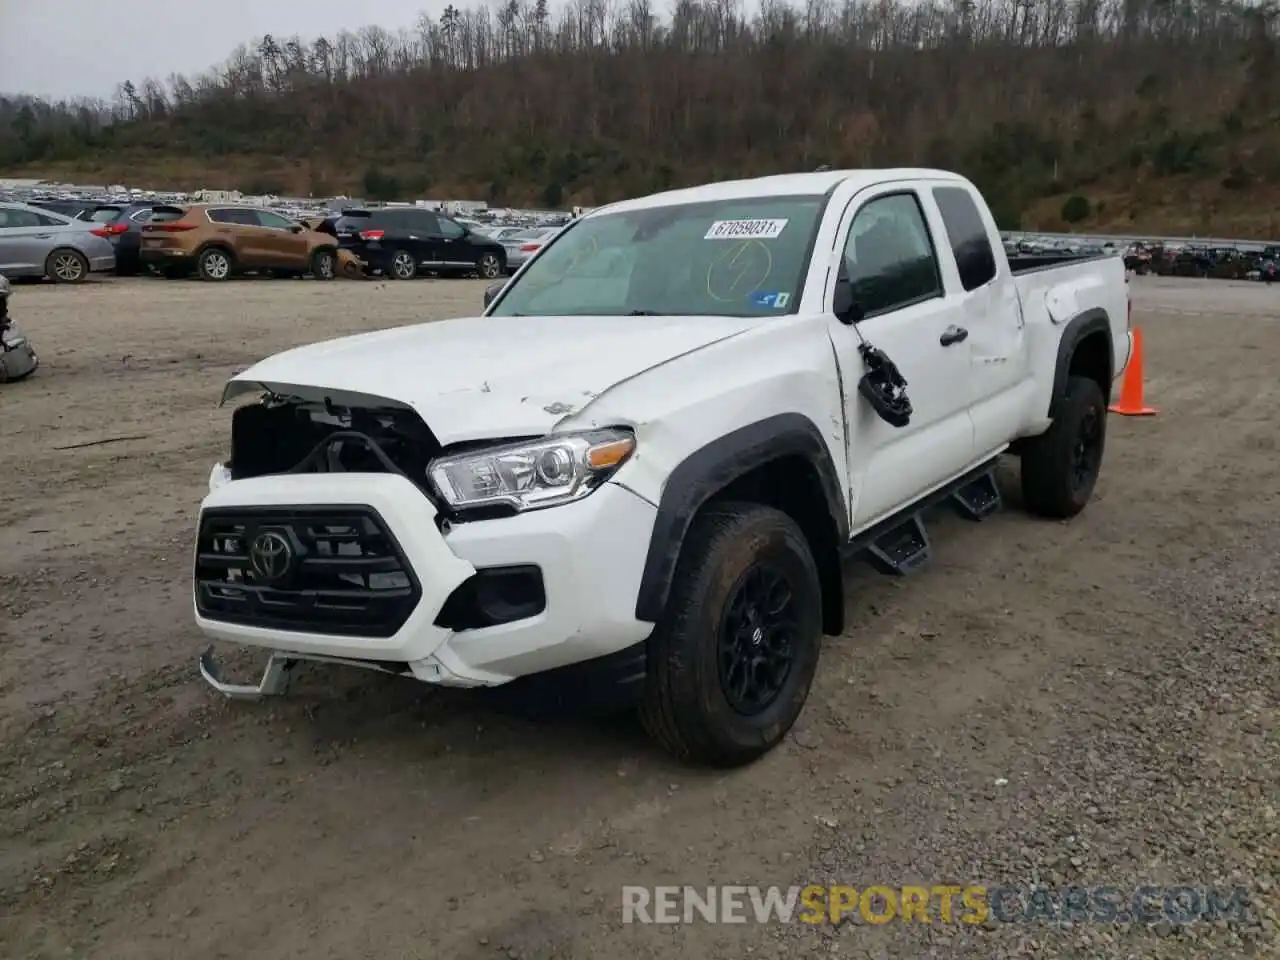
(403, 266)
(731, 662)
(66, 266)
(1060, 467)
(214, 265)
(489, 266)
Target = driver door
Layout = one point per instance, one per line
(890, 257)
(284, 246)
(451, 246)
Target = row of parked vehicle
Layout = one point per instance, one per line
(1220, 263)
(67, 242)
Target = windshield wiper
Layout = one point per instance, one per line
(646, 313)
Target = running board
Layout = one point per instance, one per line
(902, 550)
(978, 499)
(899, 545)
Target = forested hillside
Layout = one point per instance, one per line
(1160, 114)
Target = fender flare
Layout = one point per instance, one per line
(709, 470)
(215, 245)
(1094, 320)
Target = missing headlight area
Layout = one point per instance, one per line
(293, 435)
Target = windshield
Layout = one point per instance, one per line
(745, 257)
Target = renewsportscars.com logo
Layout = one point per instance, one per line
(942, 903)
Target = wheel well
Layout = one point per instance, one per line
(791, 484)
(1092, 359)
(65, 249)
(216, 245)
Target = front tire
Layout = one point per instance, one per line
(66, 266)
(734, 655)
(324, 265)
(1060, 467)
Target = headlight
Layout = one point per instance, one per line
(536, 473)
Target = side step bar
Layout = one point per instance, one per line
(899, 545)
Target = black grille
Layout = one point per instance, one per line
(345, 574)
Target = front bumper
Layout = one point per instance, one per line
(17, 357)
(590, 555)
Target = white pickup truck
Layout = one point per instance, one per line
(636, 474)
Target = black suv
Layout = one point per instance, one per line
(122, 222)
(401, 242)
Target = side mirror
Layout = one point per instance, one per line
(296, 228)
(846, 308)
(492, 291)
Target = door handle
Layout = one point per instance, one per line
(953, 334)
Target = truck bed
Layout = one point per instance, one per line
(1032, 262)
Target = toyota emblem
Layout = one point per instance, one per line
(270, 556)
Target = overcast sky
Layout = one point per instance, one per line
(69, 48)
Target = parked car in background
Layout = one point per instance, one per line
(403, 242)
(123, 225)
(41, 243)
(502, 233)
(218, 241)
(524, 244)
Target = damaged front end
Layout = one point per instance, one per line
(17, 357)
(289, 435)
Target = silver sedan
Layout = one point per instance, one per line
(41, 243)
(523, 245)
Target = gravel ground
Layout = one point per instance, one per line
(1089, 703)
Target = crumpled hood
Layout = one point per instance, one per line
(477, 378)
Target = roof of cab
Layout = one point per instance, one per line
(780, 185)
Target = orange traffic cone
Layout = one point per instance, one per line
(1131, 403)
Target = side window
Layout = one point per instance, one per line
(968, 235)
(44, 220)
(141, 216)
(266, 218)
(14, 219)
(889, 256)
(415, 222)
(450, 229)
(392, 221)
(226, 215)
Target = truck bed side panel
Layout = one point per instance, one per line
(1052, 297)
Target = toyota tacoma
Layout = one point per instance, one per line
(641, 467)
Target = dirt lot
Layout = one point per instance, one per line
(1093, 702)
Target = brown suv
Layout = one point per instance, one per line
(217, 241)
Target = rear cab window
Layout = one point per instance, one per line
(967, 232)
